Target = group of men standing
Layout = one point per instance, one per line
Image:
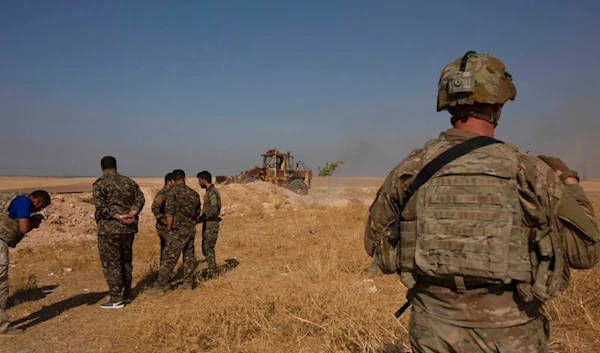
(177, 207)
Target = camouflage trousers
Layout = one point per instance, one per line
(162, 235)
(181, 241)
(210, 233)
(116, 255)
(428, 335)
(4, 319)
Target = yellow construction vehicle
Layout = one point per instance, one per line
(277, 168)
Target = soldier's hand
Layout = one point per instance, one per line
(36, 220)
(560, 168)
(125, 219)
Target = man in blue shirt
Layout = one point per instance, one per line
(15, 221)
(21, 207)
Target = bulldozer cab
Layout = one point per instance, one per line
(277, 164)
(278, 161)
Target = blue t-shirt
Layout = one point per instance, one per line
(20, 207)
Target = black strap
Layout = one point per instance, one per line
(402, 309)
(463, 61)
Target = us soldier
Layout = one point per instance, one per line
(158, 208)
(15, 221)
(182, 207)
(491, 235)
(210, 220)
(118, 201)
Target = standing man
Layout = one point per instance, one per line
(118, 201)
(210, 220)
(158, 208)
(15, 221)
(485, 234)
(182, 207)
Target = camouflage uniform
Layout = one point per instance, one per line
(462, 314)
(183, 203)
(158, 208)
(115, 193)
(210, 227)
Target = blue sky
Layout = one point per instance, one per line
(213, 84)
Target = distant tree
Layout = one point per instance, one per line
(329, 169)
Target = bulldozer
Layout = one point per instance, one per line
(277, 168)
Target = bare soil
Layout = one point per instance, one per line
(294, 281)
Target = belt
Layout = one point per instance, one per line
(460, 285)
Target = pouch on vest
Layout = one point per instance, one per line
(9, 230)
(386, 255)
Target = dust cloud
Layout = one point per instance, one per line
(571, 132)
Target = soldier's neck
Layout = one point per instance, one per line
(477, 126)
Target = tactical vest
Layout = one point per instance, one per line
(9, 228)
(468, 222)
(207, 204)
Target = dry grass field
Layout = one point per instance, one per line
(296, 281)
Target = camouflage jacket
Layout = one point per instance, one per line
(212, 205)
(158, 208)
(479, 307)
(183, 204)
(115, 193)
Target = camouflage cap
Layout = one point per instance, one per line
(474, 78)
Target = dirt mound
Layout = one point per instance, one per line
(259, 196)
(255, 198)
(70, 217)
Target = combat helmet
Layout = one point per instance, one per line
(471, 80)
